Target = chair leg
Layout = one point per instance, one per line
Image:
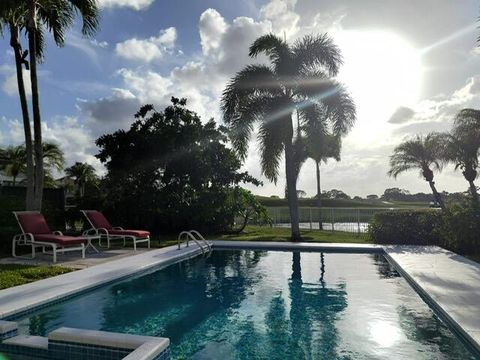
(134, 244)
(148, 242)
(83, 251)
(14, 242)
(54, 251)
(33, 251)
(108, 242)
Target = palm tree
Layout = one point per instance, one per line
(83, 174)
(320, 148)
(56, 18)
(422, 153)
(462, 146)
(12, 18)
(297, 81)
(14, 161)
(36, 16)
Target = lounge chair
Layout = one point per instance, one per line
(36, 233)
(100, 224)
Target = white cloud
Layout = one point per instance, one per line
(283, 17)
(133, 4)
(212, 27)
(149, 49)
(10, 85)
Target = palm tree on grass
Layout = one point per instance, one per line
(422, 153)
(462, 146)
(298, 81)
(36, 17)
(83, 174)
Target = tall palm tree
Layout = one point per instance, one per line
(422, 153)
(83, 174)
(298, 80)
(12, 18)
(36, 17)
(320, 148)
(57, 16)
(462, 146)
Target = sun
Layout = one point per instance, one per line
(382, 71)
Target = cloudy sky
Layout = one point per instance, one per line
(410, 66)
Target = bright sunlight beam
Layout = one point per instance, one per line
(382, 71)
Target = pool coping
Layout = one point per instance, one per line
(409, 261)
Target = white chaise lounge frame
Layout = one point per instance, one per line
(28, 239)
(104, 232)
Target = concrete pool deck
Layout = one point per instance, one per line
(448, 282)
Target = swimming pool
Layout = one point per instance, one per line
(244, 304)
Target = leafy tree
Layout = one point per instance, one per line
(170, 172)
(82, 174)
(35, 17)
(299, 80)
(462, 146)
(372, 197)
(420, 153)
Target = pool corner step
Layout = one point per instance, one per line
(36, 342)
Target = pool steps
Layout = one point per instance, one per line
(197, 238)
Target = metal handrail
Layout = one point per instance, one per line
(190, 235)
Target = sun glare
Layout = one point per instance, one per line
(383, 72)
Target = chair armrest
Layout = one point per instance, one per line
(102, 231)
(91, 232)
(117, 228)
(27, 237)
(58, 233)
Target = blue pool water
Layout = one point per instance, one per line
(266, 305)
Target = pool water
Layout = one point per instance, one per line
(266, 305)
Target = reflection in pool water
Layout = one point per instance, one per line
(266, 305)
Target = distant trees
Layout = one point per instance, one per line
(372, 197)
(298, 81)
(335, 194)
(422, 153)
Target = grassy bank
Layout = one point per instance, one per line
(14, 275)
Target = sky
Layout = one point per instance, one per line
(409, 65)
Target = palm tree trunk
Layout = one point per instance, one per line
(319, 197)
(292, 190)
(17, 49)
(37, 122)
(473, 190)
(436, 195)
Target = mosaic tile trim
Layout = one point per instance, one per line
(75, 351)
(8, 334)
(34, 353)
(164, 355)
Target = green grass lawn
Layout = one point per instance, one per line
(14, 275)
(266, 233)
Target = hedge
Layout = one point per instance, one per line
(409, 227)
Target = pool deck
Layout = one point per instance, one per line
(448, 282)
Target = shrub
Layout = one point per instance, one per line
(461, 228)
(412, 227)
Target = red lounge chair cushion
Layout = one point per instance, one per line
(136, 233)
(33, 223)
(60, 239)
(98, 220)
